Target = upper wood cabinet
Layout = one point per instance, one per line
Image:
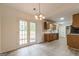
(48, 25)
(75, 20)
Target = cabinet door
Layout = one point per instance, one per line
(50, 37)
(48, 25)
(76, 20)
(46, 37)
(45, 25)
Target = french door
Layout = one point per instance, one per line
(22, 32)
(27, 35)
(32, 32)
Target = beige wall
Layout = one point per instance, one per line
(10, 28)
(0, 28)
(0, 34)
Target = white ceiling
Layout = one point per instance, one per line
(52, 11)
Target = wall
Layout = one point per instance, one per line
(10, 27)
(0, 34)
(0, 27)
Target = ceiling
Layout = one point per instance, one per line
(52, 11)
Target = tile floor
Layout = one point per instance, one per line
(54, 48)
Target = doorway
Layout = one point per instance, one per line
(62, 31)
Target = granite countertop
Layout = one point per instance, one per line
(73, 34)
(50, 32)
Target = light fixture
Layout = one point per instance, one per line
(62, 18)
(39, 15)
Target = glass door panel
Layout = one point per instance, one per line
(22, 32)
(32, 32)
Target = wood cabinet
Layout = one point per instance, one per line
(48, 25)
(73, 37)
(50, 37)
(73, 41)
(75, 20)
(46, 37)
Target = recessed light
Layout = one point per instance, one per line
(62, 18)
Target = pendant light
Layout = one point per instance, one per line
(39, 15)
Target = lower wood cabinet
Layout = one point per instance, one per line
(50, 37)
(73, 41)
